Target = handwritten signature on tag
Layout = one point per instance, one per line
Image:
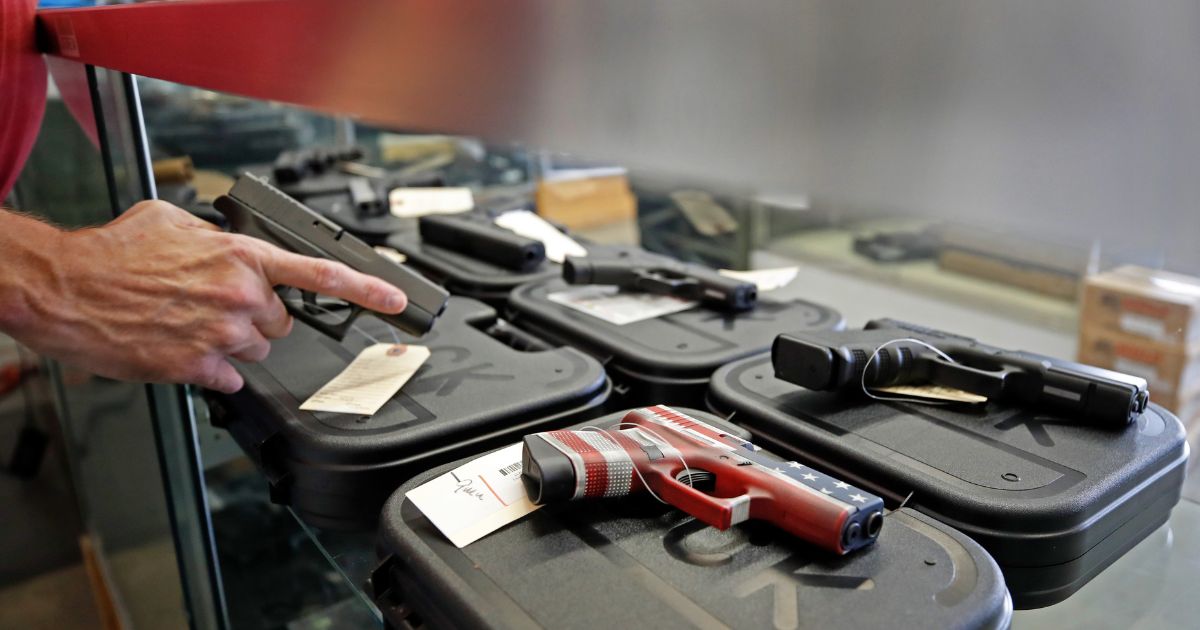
(476, 498)
(464, 487)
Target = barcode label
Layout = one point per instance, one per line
(475, 499)
(510, 469)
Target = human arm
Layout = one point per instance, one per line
(159, 295)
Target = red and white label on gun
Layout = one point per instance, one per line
(716, 477)
(476, 498)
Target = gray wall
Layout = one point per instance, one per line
(1078, 117)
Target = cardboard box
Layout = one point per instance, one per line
(1029, 277)
(1187, 409)
(1149, 303)
(1172, 371)
(586, 203)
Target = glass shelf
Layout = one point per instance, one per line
(1151, 586)
(351, 554)
(278, 570)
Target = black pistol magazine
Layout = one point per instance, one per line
(472, 257)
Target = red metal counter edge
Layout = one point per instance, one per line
(337, 57)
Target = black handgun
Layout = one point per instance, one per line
(477, 236)
(664, 276)
(888, 352)
(894, 247)
(255, 208)
(294, 165)
(355, 195)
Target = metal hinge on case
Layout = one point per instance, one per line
(218, 415)
(280, 491)
(271, 453)
(516, 338)
(381, 581)
(385, 590)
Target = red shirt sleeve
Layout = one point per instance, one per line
(22, 89)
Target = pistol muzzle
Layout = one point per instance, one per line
(577, 270)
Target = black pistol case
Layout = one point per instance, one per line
(1052, 501)
(668, 359)
(485, 383)
(374, 229)
(635, 563)
(463, 274)
(326, 194)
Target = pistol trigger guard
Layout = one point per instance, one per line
(311, 316)
(719, 512)
(654, 282)
(310, 302)
(989, 383)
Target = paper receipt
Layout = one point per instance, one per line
(764, 279)
(417, 202)
(527, 224)
(610, 304)
(933, 392)
(371, 379)
(476, 498)
(391, 254)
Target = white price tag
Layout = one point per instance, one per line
(765, 279)
(408, 203)
(391, 254)
(1143, 325)
(933, 392)
(610, 304)
(476, 498)
(530, 225)
(1144, 370)
(371, 379)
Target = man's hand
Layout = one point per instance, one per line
(160, 295)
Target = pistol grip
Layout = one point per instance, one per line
(719, 512)
(335, 330)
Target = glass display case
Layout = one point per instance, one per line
(967, 167)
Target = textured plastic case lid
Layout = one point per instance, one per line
(462, 273)
(471, 383)
(1037, 491)
(690, 343)
(474, 391)
(637, 564)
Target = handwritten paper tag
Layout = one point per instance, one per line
(764, 279)
(613, 306)
(408, 203)
(371, 379)
(530, 225)
(933, 392)
(476, 498)
(704, 213)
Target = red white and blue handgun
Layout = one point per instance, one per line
(716, 477)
